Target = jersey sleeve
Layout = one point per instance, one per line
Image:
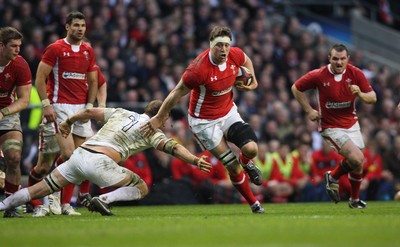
(50, 55)
(307, 81)
(24, 76)
(100, 80)
(237, 55)
(191, 77)
(108, 112)
(92, 57)
(362, 81)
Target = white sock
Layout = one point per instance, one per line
(18, 198)
(122, 194)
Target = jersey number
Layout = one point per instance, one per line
(130, 124)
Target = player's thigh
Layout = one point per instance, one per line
(66, 145)
(208, 133)
(103, 171)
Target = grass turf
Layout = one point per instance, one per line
(292, 224)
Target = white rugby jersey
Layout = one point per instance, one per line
(122, 132)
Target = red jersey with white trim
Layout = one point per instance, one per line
(100, 77)
(211, 95)
(67, 83)
(16, 73)
(336, 103)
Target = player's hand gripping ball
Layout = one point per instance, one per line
(243, 77)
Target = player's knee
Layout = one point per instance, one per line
(240, 134)
(13, 160)
(250, 149)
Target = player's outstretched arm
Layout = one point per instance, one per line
(82, 115)
(175, 149)
(158, 120)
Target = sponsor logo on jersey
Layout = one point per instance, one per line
(214, 78)
(219, 93)
(337, 105)
(326, 84)
(73, 75)
(66, 54)
(4, 94)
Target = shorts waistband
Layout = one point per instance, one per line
(91, 150)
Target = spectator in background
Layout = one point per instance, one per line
(391, 171)
(16, 85)
(288, 166)
(372, 169)
(337, 86)
(325, 160)
(274, 188)
(212, 187)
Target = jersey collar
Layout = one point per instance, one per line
(331, 71)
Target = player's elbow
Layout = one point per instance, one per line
(372, 98)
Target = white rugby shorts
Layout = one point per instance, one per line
(96, 167)
(209, 133)
(64, 111)
(337, 137)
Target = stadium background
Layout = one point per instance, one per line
(143, 48)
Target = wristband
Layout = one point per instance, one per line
(89, 106)
(69, 122)
(5, 111)
(45, 103)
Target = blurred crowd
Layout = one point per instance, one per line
(143, 47)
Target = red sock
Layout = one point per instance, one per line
(84, 187)
(355, 182)
(66, 193)
(340, 170)
(241, 183)
(59, 161)
(9, 188)
(243, 159)
(34, 177)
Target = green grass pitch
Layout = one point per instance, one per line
(291, 224)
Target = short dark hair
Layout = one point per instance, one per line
(339, 48)
(9, 33)
(220, 31)
(152, 108)
(74, 15)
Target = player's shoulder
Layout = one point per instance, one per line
(319, 71)
(236, 56)
(85, 47)
(20, 62)
(353, 69)
(57, 44)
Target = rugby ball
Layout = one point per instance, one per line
(244, 76)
